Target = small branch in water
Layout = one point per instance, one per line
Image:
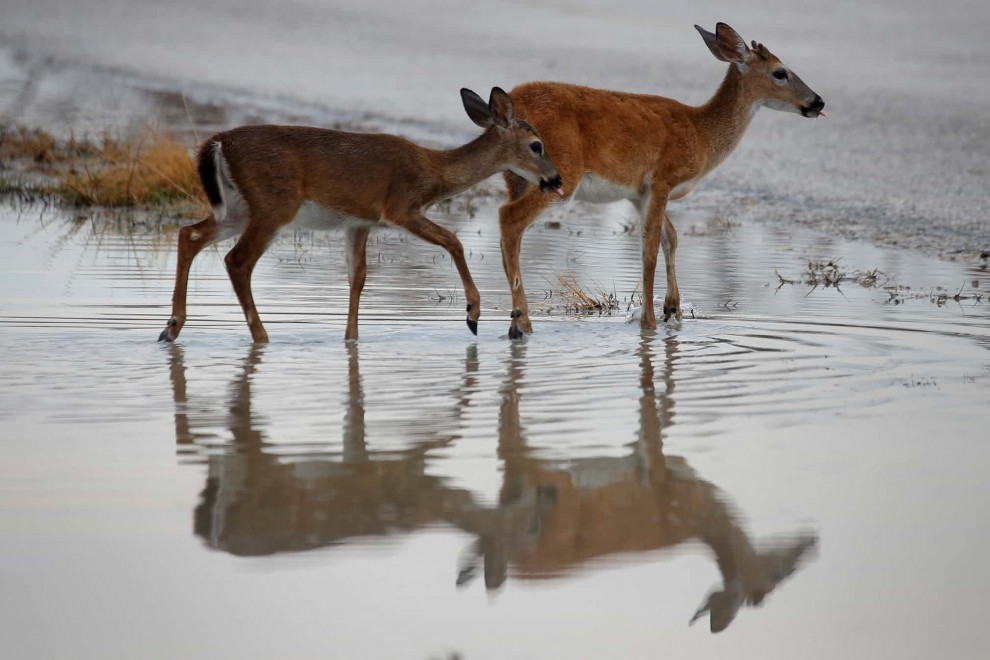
(438, 297)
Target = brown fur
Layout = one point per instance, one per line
(372, 177)
(649, 144)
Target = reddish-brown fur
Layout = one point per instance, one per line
(648, 144)
(369, 178)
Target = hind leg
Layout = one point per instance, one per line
(668, 243)
(242, 259)
(192, 240)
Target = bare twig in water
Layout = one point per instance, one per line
(825, 274)
(828, 274)
(783, 280)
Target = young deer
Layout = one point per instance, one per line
(610, 146)
(261, 178)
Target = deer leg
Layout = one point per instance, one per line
(514, 218)
(357, 271)
(429, 231)
(240, 263)
(192, 240)
(668, 242)
(652, 221)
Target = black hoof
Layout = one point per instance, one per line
(164, 336)
(514, 332)
(472, 326)
(516, 313)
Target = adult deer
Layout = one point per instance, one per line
(259, 179)
(610, 146)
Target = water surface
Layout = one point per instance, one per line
(801, 469)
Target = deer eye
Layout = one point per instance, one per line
(536, 148)
(780, 74)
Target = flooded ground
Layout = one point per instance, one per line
(802, 469)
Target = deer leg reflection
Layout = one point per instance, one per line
(258, 501)
(355, 449)
(553, 516)
(521, 505)
(177, 376)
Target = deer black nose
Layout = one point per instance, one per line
(818, 103)
(551, 185)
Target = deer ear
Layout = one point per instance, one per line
(730, 44)
(476, 108)
(501, 108)
(711, 41)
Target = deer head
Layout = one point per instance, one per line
(522, 151)
(768, 80)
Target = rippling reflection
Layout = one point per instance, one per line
(551, 517)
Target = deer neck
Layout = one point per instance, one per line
(723, 120)
(461, 168)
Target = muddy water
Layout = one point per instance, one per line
(801, 469)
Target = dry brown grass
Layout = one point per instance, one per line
(18, 144)
(154, 170)
(148, 169)
(580, 300)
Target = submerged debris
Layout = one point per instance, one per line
(828, 274)
(938, 296)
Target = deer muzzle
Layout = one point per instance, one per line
(555, 185)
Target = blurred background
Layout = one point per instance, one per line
(903, 157)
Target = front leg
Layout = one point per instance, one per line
(653, 213)
(418, 224)
(514, 218)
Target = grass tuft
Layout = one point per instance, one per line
(146, 170)
(153, 171)
(580, 300)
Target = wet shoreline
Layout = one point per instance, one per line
(65, 97)
(796, 469)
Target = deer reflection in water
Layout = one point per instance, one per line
(552, 515)
(257, 502)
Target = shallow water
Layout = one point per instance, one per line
(809, 463)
